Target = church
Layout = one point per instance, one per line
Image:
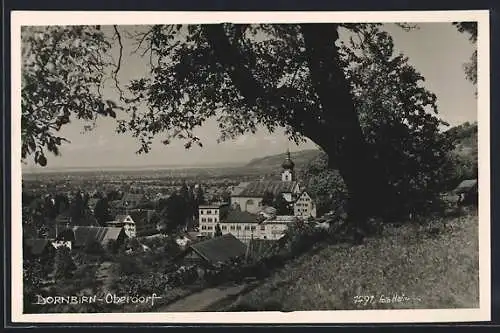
(248, 196)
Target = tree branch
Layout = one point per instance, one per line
(118, 65)
(299, 116)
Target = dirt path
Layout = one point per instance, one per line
(203, 300)
(103, 274)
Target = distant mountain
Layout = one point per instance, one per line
(273, 162)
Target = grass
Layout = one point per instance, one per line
(434, 264)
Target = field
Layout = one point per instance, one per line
(432, 265)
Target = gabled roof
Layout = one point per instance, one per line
(122, 217)
(220, 249)
(36, 246)
(80, 235)
(466, 185)
(257, 189)
(237, 216)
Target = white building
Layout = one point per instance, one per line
(241, 224)
(126, 222)
(274, 228)
(209, 216)
(248, 196)
(304, 206)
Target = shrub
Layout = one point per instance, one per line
(129, 265)
(64, 265)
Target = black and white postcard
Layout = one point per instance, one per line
(250, 167)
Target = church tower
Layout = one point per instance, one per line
(288, 174)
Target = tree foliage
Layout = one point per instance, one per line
(102, 211)
(64, 265)
(363, 105)
(63, 72)
(470, 28)
(399, 119)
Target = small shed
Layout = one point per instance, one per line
(214, 251)
(467, 191)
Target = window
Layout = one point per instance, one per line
(202, 212)
(232, 227)
(224, 227)
(209, 212)
(203, 227)
(262, 227)
(210, 227)
(203, 219)
(238, 227)
(247, 227)
(253, 227)
(209, 219)
(215, 219)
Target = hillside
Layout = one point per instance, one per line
(434, 265)
(466, 140)
(273, 162)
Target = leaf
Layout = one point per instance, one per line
(42, 160)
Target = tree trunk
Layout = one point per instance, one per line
(336, 129)
(346, 146)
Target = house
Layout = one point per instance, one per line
(304, 206)
(248, 196)
(467, 192)
(210, 215)
(214, 251)
(274, 228)
(80, 236)
(242, 224)
(126, 222)
(38, 248)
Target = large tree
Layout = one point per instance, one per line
(298, 77)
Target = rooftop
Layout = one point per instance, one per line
(220, 249)
(237, 216)
(259, 188)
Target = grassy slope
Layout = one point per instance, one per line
(437, 270)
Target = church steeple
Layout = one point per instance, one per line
(288, 174)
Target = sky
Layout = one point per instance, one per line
(437, 50)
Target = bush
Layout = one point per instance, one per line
(64, 265)
(129, 265)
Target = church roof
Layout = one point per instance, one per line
(257, 189)
(288, 163)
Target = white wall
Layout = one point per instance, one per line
(208, 218)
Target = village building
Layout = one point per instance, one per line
(304, 206)
(80, 236)
(241, 224)
(275, 227)
(211, 252)
(126, 222)
(248, 196)
(467, 192)
(209, 216)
